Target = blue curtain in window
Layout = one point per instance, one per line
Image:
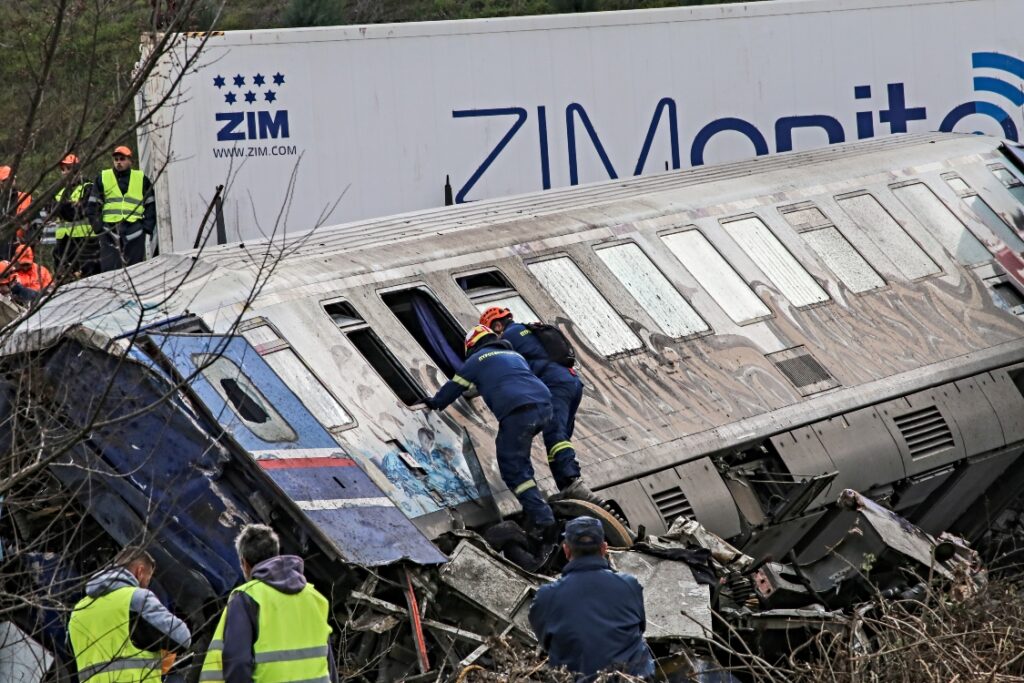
(442, 352)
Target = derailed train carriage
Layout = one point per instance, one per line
(754, 338)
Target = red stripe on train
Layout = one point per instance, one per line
(301, 463)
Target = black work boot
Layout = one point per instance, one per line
(577, 490)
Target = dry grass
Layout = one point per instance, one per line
(939, 639)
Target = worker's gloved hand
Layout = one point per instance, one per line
(429, 403)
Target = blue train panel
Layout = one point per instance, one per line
(250, 401)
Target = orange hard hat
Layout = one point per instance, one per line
(494, 313)
(24, 254)
(474, 336)
(69, 160)
(5, 173)
(121, 149)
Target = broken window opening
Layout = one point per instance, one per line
(832, 247)
(374, 352)
(1010, 181)
(244, 399)
(492, 288)
(652, 290)
(888, 235)
(980, 208)
(585, 305)
(942, 223)
(292, 370)
(716, 276)
(430, 324)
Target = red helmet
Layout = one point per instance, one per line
(474, 336)
(494, 313)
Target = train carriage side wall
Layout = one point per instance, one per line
(380, 116)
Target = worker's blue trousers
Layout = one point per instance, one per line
(515, 436)
(565, 399)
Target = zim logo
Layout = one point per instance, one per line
(246, 122)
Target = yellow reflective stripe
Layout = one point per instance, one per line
(74, 230)
(557, 448)
(525, 486)
(462, 382)
(119, 207)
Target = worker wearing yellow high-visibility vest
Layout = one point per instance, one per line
(119, 629)
(122, 211)
(274, 628)
(77, 250)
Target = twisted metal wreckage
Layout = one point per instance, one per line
(805, 386)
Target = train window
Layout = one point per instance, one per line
(1009, 181)
(585, 306)
(984, 212)
(430, 324)
(246, 401)
(888, 235)
(652, 290)
(942, 223)
(775, 261)
(832, 248)
(805, 218)
(375, 352)
(716, 276)
(492, 288)
(280, 356)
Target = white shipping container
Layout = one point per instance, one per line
(370, 120)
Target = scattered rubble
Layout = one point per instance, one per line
(714, 614)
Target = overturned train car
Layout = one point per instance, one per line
(754, 338)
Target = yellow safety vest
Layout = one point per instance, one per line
(79, 228)
(119, 207)
(292, 644)
(99, 630)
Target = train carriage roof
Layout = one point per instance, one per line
(288, 266)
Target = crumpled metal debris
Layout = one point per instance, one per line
(690, 531)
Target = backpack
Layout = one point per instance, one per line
(555, 344)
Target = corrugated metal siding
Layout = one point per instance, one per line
(593, 315)
(775, 261)
(716, 276)
(491, 212)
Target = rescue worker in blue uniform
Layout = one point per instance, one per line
(522, 405)
(592, 619)
(566, 393)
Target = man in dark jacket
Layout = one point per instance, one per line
(122, 211)
(275, 625)
(592, 619)
(522, 405)
(77, 250)
(120, 626)
(566, 393)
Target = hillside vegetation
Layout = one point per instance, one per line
(98, 47)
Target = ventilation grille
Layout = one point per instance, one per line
(672, 503)
(803, 370)
(925, 431)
